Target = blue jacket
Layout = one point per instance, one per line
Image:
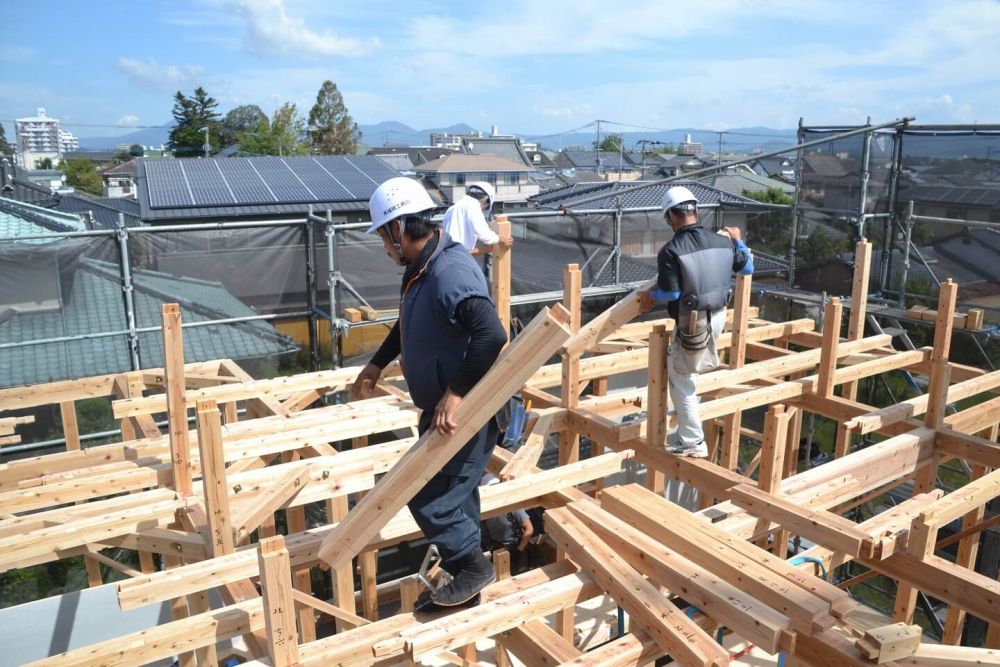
(433, 343)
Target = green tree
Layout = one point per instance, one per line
(123, 155)
(284, 135)
(5, 147)
(669, 149)
(191, 116)
(82, 175)
(239, 120)
(770, 231)
(818, 247)
(135, 150)
(44, 163)
(612, 143)
(332, 131)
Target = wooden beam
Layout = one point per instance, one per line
(831, 340)
(675, 633)
(279, 605)
(515, 364)
(526, 457)
(822, 527)
(695, 584)
(535, 643)
(248, 516)
(607, 322)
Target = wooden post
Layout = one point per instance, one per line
(569, 439)
(213, 477)
(279, 605)
(501, 563)
(794, 438)
(855, 330)
(737, 357)
(937, 399)
(501, 273)
(71, 431)
(173, 371)
(656, 403)
(301, 578)
(342, 577)
(831, 341)
(367, 561)
(772, 462)
(968, 549)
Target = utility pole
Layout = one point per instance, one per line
(720, 149)
(206, 147)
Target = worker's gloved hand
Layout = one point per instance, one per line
(365, 384)
(735, 233)
(444, 413)
(646, 301)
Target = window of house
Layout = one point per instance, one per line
(954, 213)
(511, 178)
(491, 178)
(459, 179)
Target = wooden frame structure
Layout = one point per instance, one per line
(204, 496)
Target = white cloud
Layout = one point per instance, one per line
(150, 74)
(271, 31)
(128, 120)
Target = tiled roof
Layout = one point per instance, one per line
(125, 168)
(459, 163)
(825, 164)
(397, 161)
(585, 159)
(984, 197)
(103, 210)
(507, 148)
(20, 219)
(736, 183)
(708, 197)
(539, 159)
(95, 304)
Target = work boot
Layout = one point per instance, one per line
(425, 605)
(474, 574)
(698, 450)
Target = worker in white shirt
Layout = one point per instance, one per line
(465, 222)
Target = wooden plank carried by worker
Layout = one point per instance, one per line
(546, 333)
(675, 633)
(608, 322)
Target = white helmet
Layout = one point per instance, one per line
(490, 191)
(676, 196)
(395, 198)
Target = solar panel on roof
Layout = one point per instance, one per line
(167, 184)
(285, 185)
(246, 184)
(208, 187)
(322, 182)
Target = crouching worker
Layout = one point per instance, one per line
(511, 531)
(694, 272)
(447, 337)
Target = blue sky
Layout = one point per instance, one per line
(528, 66)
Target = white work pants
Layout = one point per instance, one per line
(683, 367)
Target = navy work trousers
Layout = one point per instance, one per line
(447, 508)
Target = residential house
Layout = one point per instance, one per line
(979, 203)
(830, 181)
(119, 181)
(453, 173)
(776, 167)
(540, 160)
(679, 164)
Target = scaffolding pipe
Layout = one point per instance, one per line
(125, 264)
(796, 208)
(616, 251)
(866, 154)
(889, 244)
(908, 227)
(311, 293)
(332, 285)
(708, 170)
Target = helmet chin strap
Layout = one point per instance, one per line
(400, 259)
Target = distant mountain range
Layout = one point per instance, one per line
(736, 140)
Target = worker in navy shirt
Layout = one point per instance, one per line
(447, 337)
(694, 274)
